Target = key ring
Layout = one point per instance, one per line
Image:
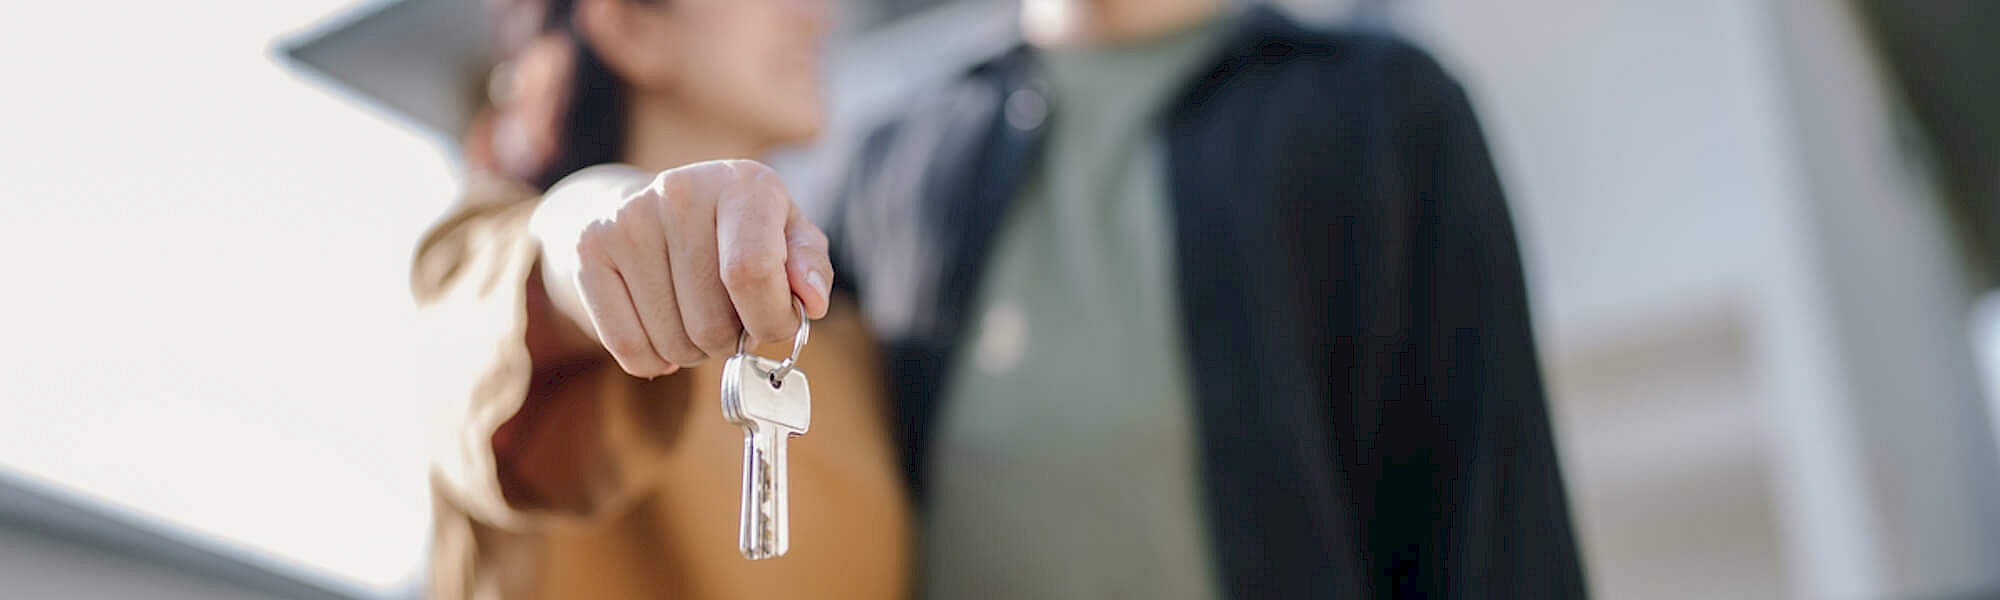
(784, 367)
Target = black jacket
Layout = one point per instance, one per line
(1372, 419)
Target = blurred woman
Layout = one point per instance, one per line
(571, 471)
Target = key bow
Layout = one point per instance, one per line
(784, 367)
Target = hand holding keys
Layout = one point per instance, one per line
(772, 402)
(663, 272)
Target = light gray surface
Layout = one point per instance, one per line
(45, 568)
(421, 61)
(54, 546)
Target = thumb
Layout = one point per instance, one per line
(808, 263)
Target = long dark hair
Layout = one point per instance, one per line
(592, 131)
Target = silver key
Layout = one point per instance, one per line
(773, 403)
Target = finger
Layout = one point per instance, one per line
(609, 306)
(688, 218)
(808, 265)
(649, 278)
(750, 238)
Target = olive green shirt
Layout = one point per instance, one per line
(1066, 462)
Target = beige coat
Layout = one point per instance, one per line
(578, 481)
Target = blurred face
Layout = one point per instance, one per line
(751, 66)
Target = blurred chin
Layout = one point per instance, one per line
(798, 121)
(801, 133)
(776, 109)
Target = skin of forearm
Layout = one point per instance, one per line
(565, 331)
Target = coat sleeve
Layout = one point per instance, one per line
(533, 441)
(1502, 528)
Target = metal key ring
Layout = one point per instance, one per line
(784, 367)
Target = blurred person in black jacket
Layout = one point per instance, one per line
(1185, 300)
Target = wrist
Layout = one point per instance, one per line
(559, 219)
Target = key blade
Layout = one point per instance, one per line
(765, 529)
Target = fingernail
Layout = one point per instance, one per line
(818, 283)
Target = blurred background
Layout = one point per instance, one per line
(1760, 235)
